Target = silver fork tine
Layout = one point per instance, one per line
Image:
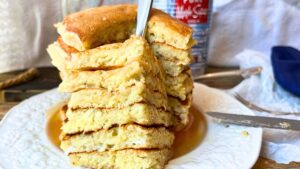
(260, 109)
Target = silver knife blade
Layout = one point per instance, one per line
(256, 121)
(144, 7)
(245, 73)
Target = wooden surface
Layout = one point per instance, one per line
(47, 78)
(225, 83)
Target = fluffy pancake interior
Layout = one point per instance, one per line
(117, 138)
(85, 120)
(179, 86)
(113, 80)
(180, 108)
(127, 159)
(104, 57)
(167, 52)
(100, 98)
(172, 68)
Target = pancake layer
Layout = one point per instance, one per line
(101, 98)
(86, 120)
(180, 108)
(118, 138)
(107, 24)
(135, 73)
(127, 159)
(104, 57)
(179, 86)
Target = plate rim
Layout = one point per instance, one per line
(55, 92)
(207, 119)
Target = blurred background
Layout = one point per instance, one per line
(26, 28)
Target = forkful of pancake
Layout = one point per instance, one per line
(129, 93)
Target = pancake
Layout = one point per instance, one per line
(86, 120)
(135, 73)
(180, 108)
(179, 86)
(123, 159)
(59, 58)
(101, 98)
(173, 60)
(118, 138)
(172, 68)
(105, 57)
(94, 27)
(97, 26)
(165, 29)
(170, 53)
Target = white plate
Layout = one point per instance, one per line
(24, 144)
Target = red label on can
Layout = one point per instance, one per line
(192, 11)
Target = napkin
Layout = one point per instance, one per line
(280, 145)
(242, 34)
(252, 24)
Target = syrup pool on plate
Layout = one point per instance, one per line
(185, 141)
(54, 123)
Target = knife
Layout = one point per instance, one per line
(255, 121)
(144, 7)
(245, 73)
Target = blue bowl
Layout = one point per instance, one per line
(286, 68)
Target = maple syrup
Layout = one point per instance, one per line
(191, 136)
(185, 141)
(54, 123)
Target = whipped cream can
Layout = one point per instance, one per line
(197, 14)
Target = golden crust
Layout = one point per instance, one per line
(170, 22)
(97, 26)
(90, 25)
(68, 49)
(85, 22)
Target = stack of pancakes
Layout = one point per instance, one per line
(124, 99)
(170, 39)
(117, 114)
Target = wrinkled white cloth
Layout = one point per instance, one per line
(280, 145)
(258, 25)
(26, 29)
(252, 24)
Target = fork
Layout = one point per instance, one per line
(260, 109)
